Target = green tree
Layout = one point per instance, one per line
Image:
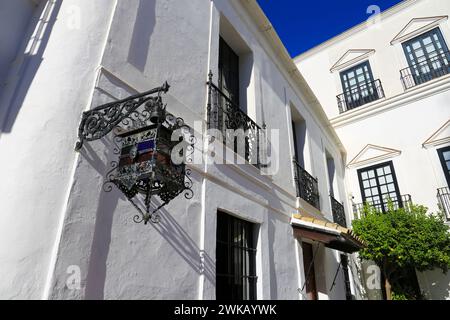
(403, 239)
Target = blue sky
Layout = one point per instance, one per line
(303, 24)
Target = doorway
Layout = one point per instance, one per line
(308, 266)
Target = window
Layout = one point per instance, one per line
(235, 259)
(427, 56)
(378, 184)
(444, 156)
(331, 170)
(348, 291)
(299, 137)
(233, 117)
(359, 87)
(228, 71)
(310, 273)
(236, 66)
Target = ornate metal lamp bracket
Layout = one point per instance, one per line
(143, 139)
(98, 122)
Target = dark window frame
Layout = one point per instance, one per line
(362, 92)
(238, 282)
(229, 68)
(420, 38)
(394, 178)
(443, 163)
(434, 64)
(354, 68)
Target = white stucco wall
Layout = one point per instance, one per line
(386, 62)
(434, 284)
(418, 170)
(403, 121)
(39, 131)
(67, 220)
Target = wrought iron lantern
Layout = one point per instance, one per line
(148, 165)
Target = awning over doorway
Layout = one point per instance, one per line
(330, 234)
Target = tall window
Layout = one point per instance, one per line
(229, 85)
(358, 85)
(228, 71)
(310, 273)
(294, 135)
(427, 56)
(378, 184)
(331, 170)
(299, 136)
(444, 156)
(235, 259)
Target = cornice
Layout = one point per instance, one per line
(340, 65)
(435, 21)
(384, 153)
(434, 140)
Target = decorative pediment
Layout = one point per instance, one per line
(417, 26)
(441, 136)
(350, 57)
(372, 153)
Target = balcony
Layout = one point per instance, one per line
(426, 70)
(361, 95)
(338, 212)
(404, 202)
(307, 186)
(226, 117)
(443, 195)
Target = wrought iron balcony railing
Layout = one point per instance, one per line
(224, 115)
(360, 95)
(338, 211)
(443, 195)
(404, 202)
(427, 70)
(307, 185)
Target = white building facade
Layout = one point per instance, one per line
(384, 85)
(63, 237)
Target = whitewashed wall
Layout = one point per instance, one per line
(403, 121)
(386, 62)
(44, 106)
(120, 48)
